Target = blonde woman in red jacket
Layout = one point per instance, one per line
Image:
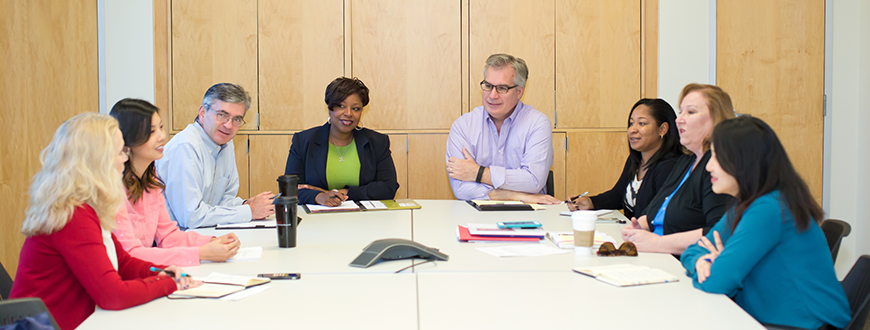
(70, 258)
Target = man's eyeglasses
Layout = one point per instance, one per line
(607, 249)
(223, 117)
(501, 89)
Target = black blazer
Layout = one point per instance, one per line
(695, 205)
(652, 182)
(377, 173)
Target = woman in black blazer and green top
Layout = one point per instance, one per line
(654, 146)
(342, 160)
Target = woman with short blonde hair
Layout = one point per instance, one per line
(70, 258)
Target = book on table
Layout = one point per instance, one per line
(627, 275)
(487, 205)
(492, 230)
(463, 235)
(352, 206)
(217, 285)
(565, 239)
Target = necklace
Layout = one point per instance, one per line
(340, 154)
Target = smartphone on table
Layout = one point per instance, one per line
(519, 225)
(281, 276)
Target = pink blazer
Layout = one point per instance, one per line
(147, 221)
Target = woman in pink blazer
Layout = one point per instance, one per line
(144, 227)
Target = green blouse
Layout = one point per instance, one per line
(342, 166)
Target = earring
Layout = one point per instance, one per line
(329, 120)
(661, 136)
(359, 126)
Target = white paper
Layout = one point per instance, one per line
(347, 205)
(246, 293)
(527, 250)
(374, 205)
(247, 254)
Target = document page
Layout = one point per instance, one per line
(527, 250)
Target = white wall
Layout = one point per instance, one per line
(127, 40)
(687, 46)
(850, 137)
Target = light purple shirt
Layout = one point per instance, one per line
(518, 159)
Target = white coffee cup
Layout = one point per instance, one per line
(584, 231)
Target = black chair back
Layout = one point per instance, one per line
(15, 309)
(5, 283)
(857, 287)
(550, 187)
(834, 231)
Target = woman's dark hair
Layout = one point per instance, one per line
(342, 87)
(662, 112)
(748, 149)
(134, 117)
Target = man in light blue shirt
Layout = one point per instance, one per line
(502, 150)
(199, 165)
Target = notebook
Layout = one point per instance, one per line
(627, 275)
(218, 285)
(485, 205)
(463, 235)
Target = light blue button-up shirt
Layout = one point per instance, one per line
(201, 179)
(518, 159)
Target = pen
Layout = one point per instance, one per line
(708, 260)
(581, 195)
(168, 272)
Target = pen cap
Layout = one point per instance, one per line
(287, 185)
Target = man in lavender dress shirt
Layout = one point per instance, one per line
(502, 150)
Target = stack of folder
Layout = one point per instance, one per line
(491, 233)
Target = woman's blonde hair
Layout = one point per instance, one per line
(719, 103)
(78, 166)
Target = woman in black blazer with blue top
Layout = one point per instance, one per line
(342, 160)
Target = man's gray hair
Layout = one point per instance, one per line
(226, 92)
(499, 61)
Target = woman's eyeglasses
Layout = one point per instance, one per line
(625, 249)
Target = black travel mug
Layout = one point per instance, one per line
(287, 185)
(285, 215)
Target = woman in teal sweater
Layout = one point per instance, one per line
(768, 251)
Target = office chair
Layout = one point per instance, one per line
(5, 283)
(857, 287)
(550, 187)
(16, 309)
(834, 231)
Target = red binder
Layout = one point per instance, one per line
(464, 236)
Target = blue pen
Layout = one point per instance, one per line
(168, 272)
(708, 260)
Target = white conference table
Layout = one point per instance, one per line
(471, 290)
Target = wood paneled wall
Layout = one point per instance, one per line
(50, 73)
(589, 61)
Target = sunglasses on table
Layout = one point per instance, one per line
(625, 249)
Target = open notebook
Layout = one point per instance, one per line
(627, 275)
(218, 285)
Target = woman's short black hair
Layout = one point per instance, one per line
(342, 87)
(662, 112)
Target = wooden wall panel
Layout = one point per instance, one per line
(522, 28)
(268, 158)
(427, 167)
(240, 142)
(399, 151)
(212, 43)
(407, 53)
(770, 59)
(559, 165)
(595, 160)
(50, 73)
(650, 48)
(301, 50)
(162, 63)
(597, 61)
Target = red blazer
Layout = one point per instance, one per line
(71, 272)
